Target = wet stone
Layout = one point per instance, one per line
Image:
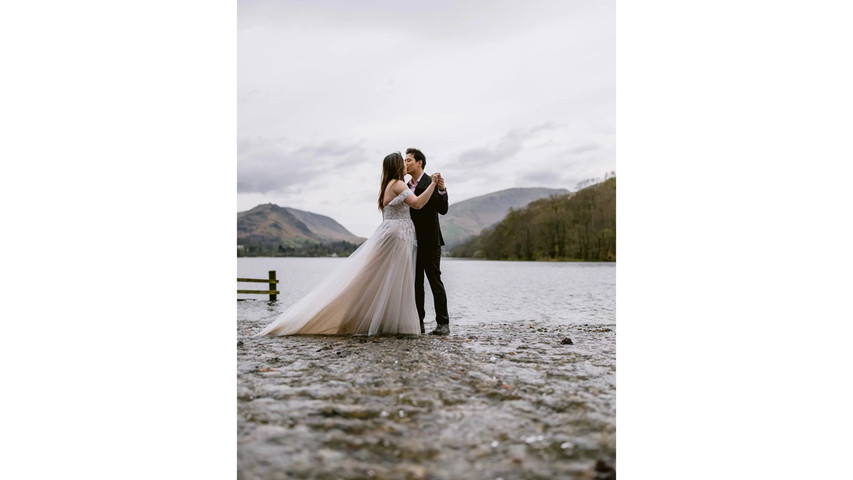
(503, 404)
(604, 471)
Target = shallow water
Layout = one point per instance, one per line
(501, 397)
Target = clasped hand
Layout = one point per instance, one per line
(436, 177)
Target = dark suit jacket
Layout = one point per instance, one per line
(427, 228)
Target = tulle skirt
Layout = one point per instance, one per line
(372, 292)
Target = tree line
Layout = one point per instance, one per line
(266, 249)
(573, 227)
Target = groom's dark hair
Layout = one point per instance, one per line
(419, 156)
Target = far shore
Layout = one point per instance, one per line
(554, 260)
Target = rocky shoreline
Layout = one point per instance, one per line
(492, 400)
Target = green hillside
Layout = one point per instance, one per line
(468, 218)
(579, 226)
(269, 230)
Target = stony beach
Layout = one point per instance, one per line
(493, 400)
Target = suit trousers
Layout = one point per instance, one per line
(429, 263)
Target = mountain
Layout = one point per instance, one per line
(270, 229)
(580, 226)
(469, 217)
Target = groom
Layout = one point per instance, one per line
(428, 233)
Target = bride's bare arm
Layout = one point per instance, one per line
(416, 202)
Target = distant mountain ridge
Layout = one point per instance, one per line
(271, 230)
(270, 226)
(469, 217)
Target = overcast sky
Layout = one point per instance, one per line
(497, 94)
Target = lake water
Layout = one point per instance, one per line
(523, 388)
(559, 293)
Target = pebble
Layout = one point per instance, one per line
(603, 471)
(367, 416)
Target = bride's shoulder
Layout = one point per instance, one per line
(397, 186)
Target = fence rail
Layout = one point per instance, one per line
(272, 292)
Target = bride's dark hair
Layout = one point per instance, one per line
(393, 168)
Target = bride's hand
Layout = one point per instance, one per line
(435, 176)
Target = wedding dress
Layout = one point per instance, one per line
(372, 292)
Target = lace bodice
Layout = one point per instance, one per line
(398, 208)
(397, 220)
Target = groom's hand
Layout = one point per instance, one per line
(440, 185)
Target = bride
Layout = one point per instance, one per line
(373, 291)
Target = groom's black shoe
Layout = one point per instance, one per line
(443, 329)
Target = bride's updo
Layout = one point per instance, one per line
(393, 168)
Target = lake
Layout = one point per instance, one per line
(558, 292)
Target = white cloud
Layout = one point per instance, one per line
(272, 166)
(496, 94)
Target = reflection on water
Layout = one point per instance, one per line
(477, 290)
(502, 397)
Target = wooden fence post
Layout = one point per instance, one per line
(272, 292)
